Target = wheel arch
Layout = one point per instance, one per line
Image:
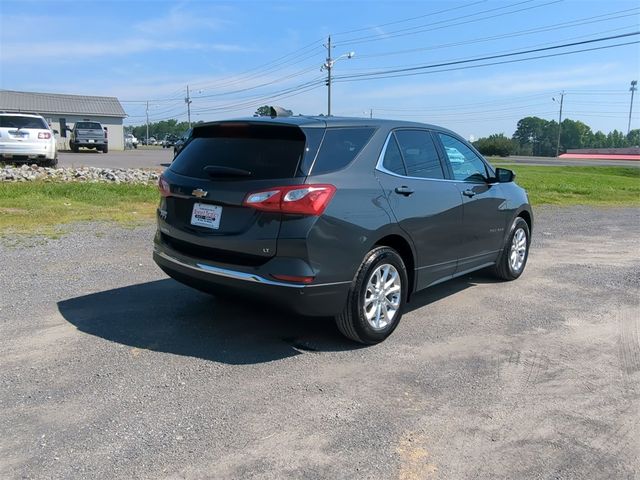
(405, 250)
(526, 215)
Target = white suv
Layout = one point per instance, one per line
(25, 137)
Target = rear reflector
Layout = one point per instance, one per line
(293, 278)
(297, 199)
(44, 135)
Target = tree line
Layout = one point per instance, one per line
(539, 137)
(159, 130)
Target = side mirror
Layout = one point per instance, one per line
(56, 132)
(504, 175)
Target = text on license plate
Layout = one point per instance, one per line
(205, 215)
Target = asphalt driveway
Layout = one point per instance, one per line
(111, 370)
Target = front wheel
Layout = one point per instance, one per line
(376, 299)
(515, 253)
(105, 149)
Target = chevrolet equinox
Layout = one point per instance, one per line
(335, 216)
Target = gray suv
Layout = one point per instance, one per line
(335, 216)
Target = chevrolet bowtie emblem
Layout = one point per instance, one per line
(198, 192)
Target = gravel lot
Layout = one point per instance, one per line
(157, 157)
(110, 370)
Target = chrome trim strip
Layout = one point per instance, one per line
(235, 275)
(381, 168)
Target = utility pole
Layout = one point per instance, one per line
(329, 65)
(371, 113)
(147, 122)
(559, 124)
(632, 90)
(187, 100)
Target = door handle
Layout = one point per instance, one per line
(469, 193)
(404, 190)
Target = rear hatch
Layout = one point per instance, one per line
(89, 131)
(202, 213)
(18, 130)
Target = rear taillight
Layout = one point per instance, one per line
(44, 135)
(299, 199)
(163, 186)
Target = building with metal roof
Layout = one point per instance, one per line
(62, 111)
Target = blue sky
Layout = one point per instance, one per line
(236, 56)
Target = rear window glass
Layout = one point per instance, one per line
(339, 147)
(266, 151)
(11, 121)
(89, 125)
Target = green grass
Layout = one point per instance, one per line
(42, 208)
(595, 186)
(46, 207)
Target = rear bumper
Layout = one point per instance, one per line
(28, 151)
(86, 143)
(326, 299)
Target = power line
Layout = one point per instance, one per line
(519, 33)
(419, 29)
(389, 73)
(493, 54)
(409, 19)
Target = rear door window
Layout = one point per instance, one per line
(393, 158)
(339, 147)
(265, 151)
(420, 154)
(14, 121)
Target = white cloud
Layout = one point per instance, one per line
(178, 20)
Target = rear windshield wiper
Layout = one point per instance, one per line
(220, 171)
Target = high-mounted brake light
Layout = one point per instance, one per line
(44, 135)
(163, 186)
(297, 199)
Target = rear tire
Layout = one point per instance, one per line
(376, 298)
(50, 162)
(515, 253)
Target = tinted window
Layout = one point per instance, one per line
(466, 165)
(419, 153)
(11, 121)
(339, 147)
(267, 151)
(392, 158)
(88, 125)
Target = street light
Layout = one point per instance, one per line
(328, 65)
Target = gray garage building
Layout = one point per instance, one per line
(62, 110)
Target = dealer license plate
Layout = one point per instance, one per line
(205, 215)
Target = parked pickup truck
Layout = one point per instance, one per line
(88, 135)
